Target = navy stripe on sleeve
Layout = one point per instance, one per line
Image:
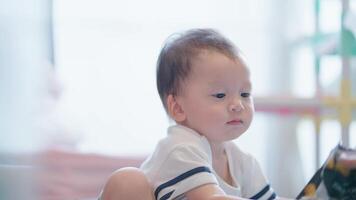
(273, 196)
(166, 196)
(180, 178)
(261, 193)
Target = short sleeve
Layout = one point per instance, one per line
(185, 168)
(255, 183)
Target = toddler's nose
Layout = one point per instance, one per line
(236, 106)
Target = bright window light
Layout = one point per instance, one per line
(106, 55)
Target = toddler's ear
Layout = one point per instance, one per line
(174, 109)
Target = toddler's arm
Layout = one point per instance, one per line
(209, 192)
(212, 192)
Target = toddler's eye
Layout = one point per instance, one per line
(219, 95)
(245, 94)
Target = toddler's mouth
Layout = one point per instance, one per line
(235, 122)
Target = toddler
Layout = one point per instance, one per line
(205, 87)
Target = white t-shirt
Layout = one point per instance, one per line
(182, 161)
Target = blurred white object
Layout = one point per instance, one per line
(25, 39)
(58, 130)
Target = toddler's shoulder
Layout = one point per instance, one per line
(180, 138)
(180, 145)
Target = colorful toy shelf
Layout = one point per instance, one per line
(338, 44)
(320, 107)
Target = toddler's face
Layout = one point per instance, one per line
(216, 97)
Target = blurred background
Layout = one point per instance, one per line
(77, 86)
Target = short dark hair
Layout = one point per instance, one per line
(175, 58)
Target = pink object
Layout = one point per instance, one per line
(70, 175)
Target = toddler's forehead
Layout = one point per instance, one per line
(216, 65)
(206, 54)
(203, 54)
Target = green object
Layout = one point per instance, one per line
(347, 44)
